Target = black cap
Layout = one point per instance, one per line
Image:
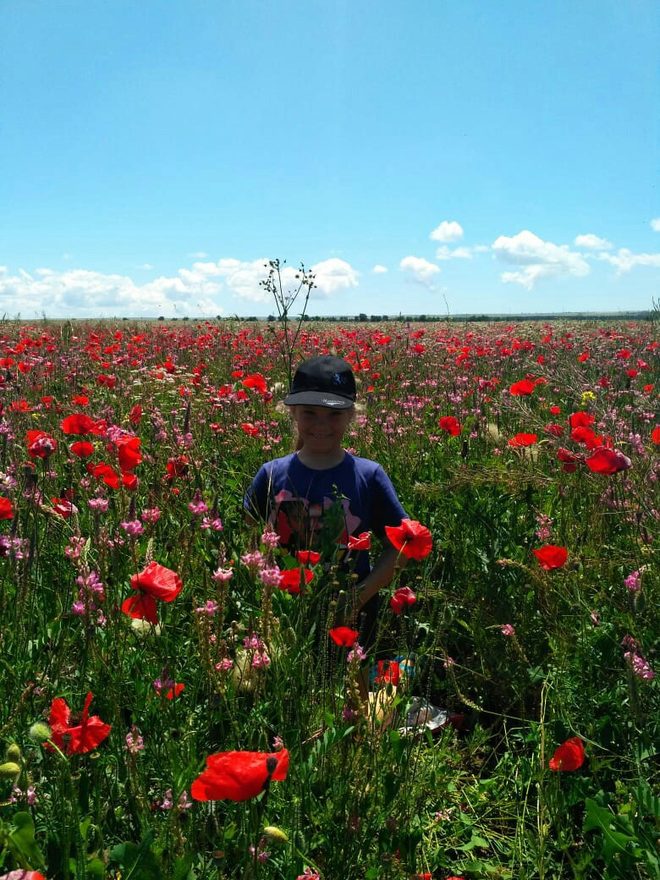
(323, 381)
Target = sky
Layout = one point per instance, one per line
(419, 157)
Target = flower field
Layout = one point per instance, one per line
(180, 698)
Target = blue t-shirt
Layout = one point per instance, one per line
(301, 503)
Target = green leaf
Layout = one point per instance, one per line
(138, 861)
(182, 868)
(21, 838)
(475, 841)
(95, 868)
(601, 819)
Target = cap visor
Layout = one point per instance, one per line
(318, 398)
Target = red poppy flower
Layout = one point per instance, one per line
(655, 435)
(568, 460)
(581, 419)
(79, 738)
(568, 756)
(63, 507)
(411, 538)
(257, 382)
(128, 451)
(344, 636)
(607, 461)
(291, 578)
(80, 424)
(170, 692)
(135, 414)
(82, 448)
(586, 436)
(157, 581)
(239, 776)
(40, 444)
(177, 467)
(402, 598)
(308, 557)
(523, 440)
(555, 410)
(524, 387)
(388, 672)
(141, 607)
(450, 424)
(6, 508)
(554, 429)
(105, 472)
(551, 556)
(129, 481)
(360, 542)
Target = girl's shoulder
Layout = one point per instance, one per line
(276, 465)
(364, 466)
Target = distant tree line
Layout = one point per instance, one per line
(363, 318)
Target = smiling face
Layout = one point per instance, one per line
(320, 428)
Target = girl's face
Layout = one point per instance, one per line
(320, 428)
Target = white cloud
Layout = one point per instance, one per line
(459, 253)
(85, 293)
(334, 274)
(146, 266)
(243, 277)
(448, 230)
(379, 270)
(592, 242)
(198, 255)
(625, 260)
(420, 269)
(539, 259)
(655, 224)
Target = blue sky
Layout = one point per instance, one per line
(421, 157)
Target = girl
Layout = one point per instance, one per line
(321, 495)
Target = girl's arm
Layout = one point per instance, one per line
(388, 563)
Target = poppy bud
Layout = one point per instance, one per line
(40, 732)
(9, 769)
(13, 752)
(277, 835)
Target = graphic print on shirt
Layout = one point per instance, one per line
(305, 525)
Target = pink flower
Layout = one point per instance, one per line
(633, 582)
(507, 629)
(640, 665)
(357, 653)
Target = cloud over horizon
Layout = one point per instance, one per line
(537, 258)
(419, 269)
(200, 289)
